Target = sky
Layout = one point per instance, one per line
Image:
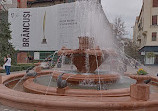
(126, 9)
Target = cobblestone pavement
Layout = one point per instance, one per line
(153, 70)
(7, 108)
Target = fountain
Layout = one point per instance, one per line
(86, 59)
(96, 84)
(86, 50)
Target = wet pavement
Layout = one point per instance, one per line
(7, 108)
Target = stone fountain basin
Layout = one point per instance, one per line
(77, 78)
(28, 101)
(140, 78)
(31, 86)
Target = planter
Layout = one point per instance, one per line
(140, 90)
(140, 78)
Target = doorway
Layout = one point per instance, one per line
(156, 59)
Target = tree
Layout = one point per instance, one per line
(5, 46)
(132, 50)
(119, 28)
(124, 43)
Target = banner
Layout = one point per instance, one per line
(51, 28)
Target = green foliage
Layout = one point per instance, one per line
(150, 54)
(120, 32)
(5, 46)
(5, 32)
(132, 50)
(141, 72)
(4, 16)
(119, 28)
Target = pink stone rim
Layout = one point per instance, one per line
(76, 78)
(31, 102)
(140, 78)
(30, 86)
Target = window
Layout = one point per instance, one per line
(155, 3)
(154, 20)
(44, 55)
(71, 1)
(154, 36)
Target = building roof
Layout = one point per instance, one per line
(149, 49)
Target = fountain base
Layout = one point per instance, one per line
(140, 91)
(85, 100)
(61, 91)
(77, 78)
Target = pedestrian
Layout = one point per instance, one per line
(7, 64)
(136, 64)
(30, 58)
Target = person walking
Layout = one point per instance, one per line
(8, 64)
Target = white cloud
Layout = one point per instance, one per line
(127, 9)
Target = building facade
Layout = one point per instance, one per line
(6, 4)
(43, 3)
(145, 32)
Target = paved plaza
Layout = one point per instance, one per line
(6, 108)
(153, 70)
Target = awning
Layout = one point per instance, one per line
(39, 1)
(149, 49)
